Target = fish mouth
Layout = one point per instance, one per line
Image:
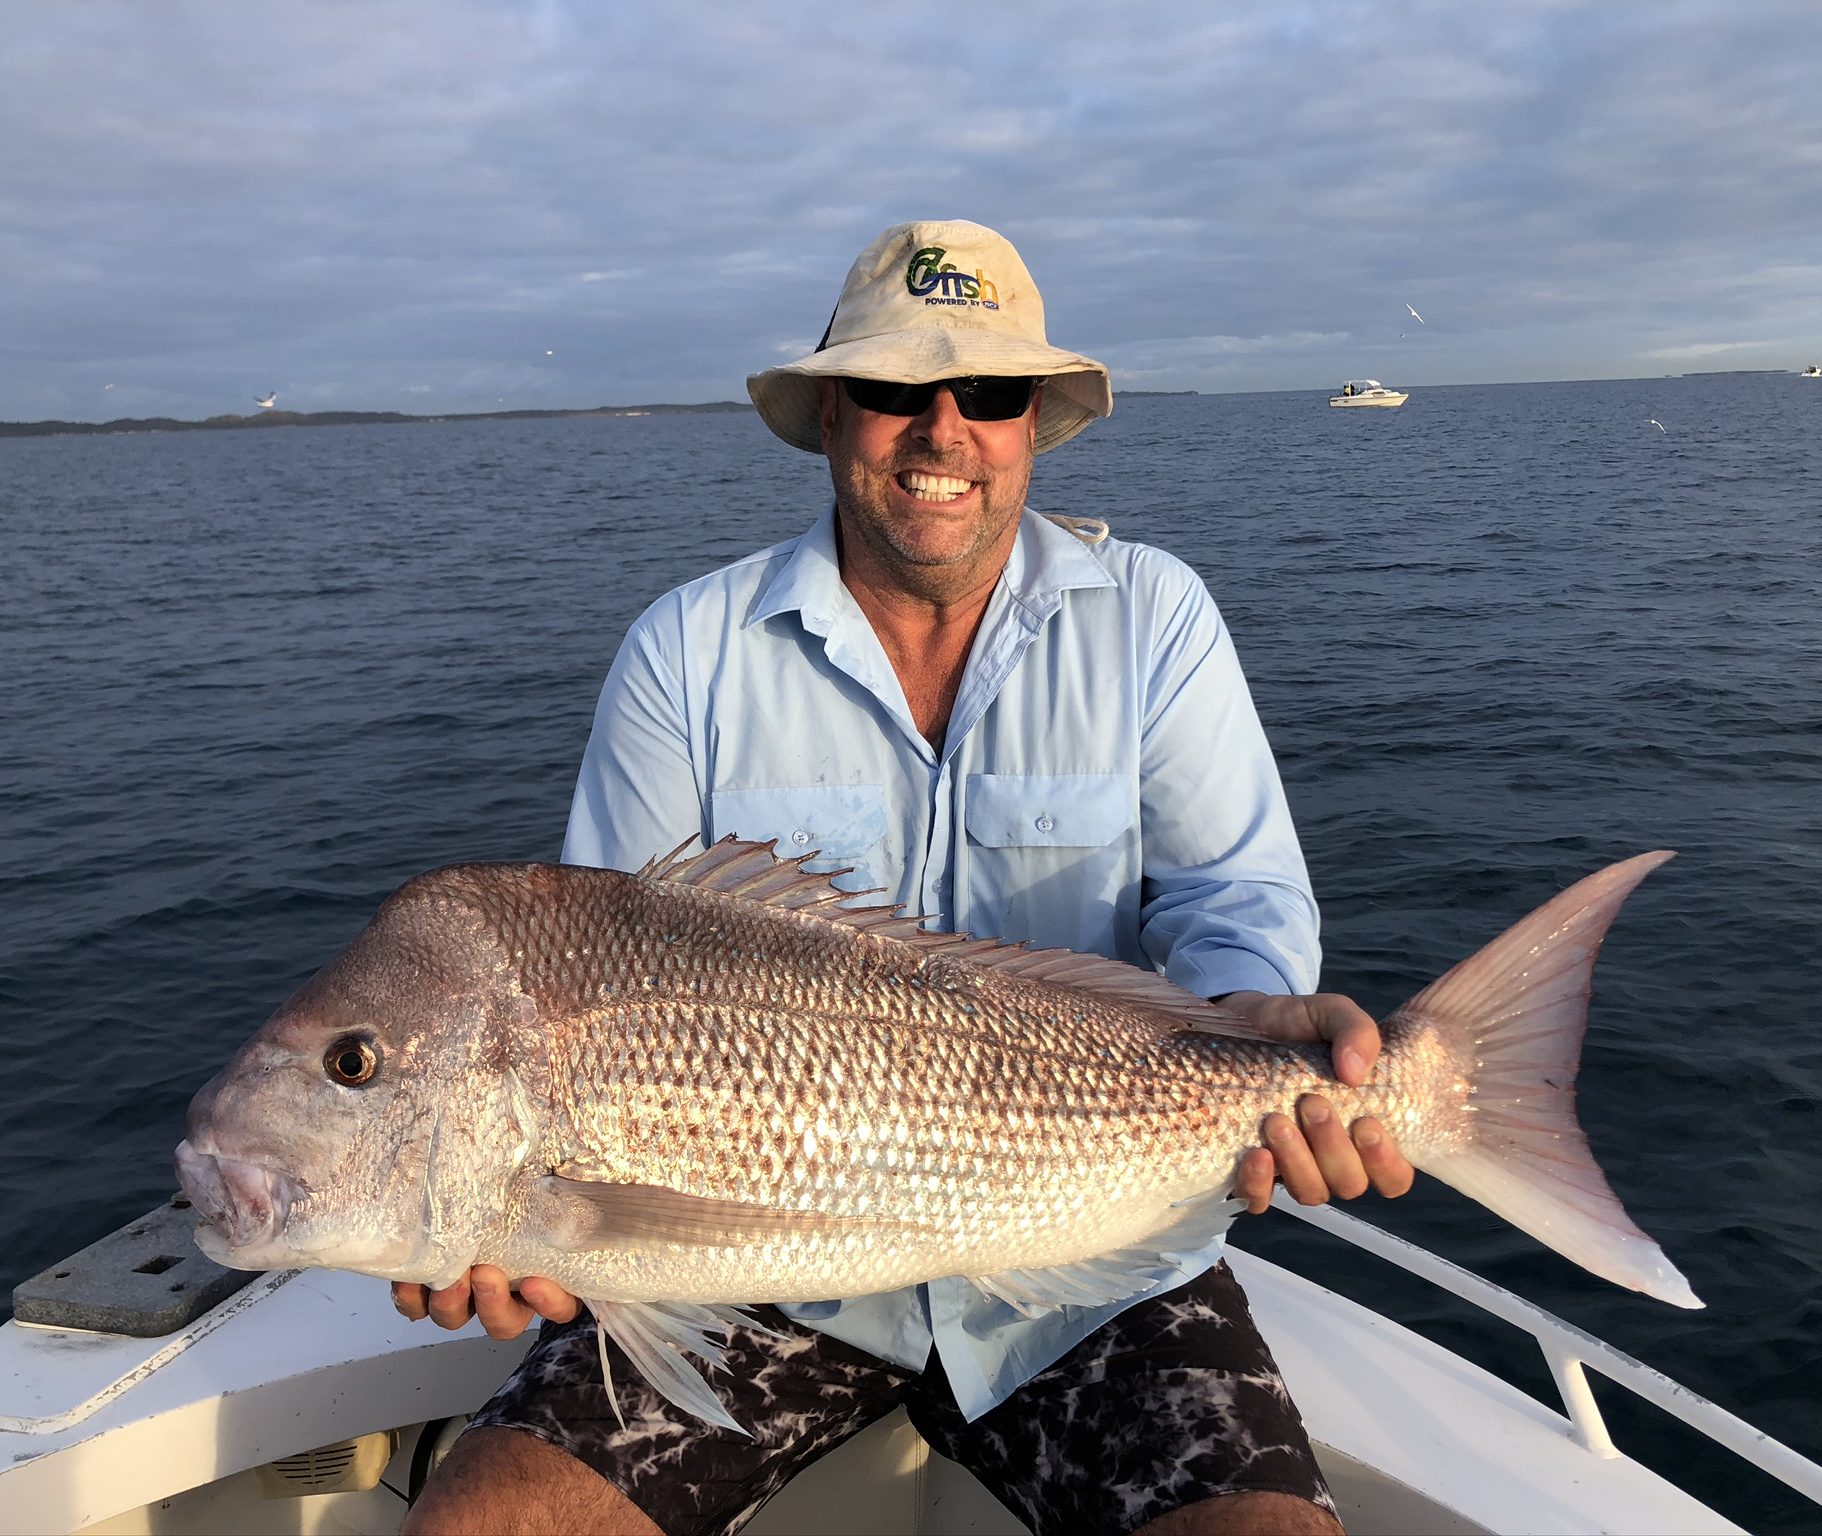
(242, 1204)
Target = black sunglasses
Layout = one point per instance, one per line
(979, 397)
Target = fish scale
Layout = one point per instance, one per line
(716, 1083)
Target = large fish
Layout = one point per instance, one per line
(712, 1083)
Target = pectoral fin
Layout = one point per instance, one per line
(584, 1214)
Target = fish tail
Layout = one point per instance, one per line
(1514, 1014)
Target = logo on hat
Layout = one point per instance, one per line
(936, 281)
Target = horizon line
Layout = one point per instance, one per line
(229, 420)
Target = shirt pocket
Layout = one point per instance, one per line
(1053, 859)
(835, 821)
(1050, 810)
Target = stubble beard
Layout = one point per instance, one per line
(938, 550)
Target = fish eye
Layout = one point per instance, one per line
(352, 1060)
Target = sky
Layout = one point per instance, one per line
(463, 205)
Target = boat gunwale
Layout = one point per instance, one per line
(1567, 1348)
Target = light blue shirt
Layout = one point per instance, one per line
(1104, 784)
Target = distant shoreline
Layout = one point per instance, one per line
(127, 424)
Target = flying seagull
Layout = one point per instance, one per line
(1653, 421)
(267, 403)
(1417, 317)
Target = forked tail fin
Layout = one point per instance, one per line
(1516, 1011)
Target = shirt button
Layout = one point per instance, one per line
(800, 837)
(1044, 824)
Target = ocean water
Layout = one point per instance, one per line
(250, 681)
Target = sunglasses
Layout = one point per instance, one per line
(979, 397)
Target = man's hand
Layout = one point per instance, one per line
(484, 1293)
(1322, 1159)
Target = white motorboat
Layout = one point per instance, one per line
(1367, 392)
(1812, 372)
(305, 1404)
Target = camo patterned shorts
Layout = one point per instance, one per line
(1174, 1401)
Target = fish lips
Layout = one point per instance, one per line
(243, 1205)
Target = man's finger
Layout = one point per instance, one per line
(548, 1299)
(1353, 1035)
(1253, 1183)
(452, 1306)
(1338, 1162)
(411, 1299)
(1296, 1165)
(502, 1314)
(1385, 1165)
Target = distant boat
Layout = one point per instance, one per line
(1812, 372)
(1368, 392)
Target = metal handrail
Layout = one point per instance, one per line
(1567, 1349)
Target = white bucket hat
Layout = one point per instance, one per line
(936, 300)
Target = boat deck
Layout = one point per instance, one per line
(122, 1435)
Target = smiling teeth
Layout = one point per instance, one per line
(934, 487)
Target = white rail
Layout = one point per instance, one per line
(1567, 1349)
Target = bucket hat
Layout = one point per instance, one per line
(936, 299)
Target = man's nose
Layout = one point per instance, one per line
(942, 424)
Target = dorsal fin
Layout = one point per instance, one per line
(754, 872)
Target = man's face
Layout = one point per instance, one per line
(934, 498)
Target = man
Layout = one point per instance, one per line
(1025, 730)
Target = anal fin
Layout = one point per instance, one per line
(1109, 1277)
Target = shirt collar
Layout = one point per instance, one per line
(1046, 562)
(809, 582)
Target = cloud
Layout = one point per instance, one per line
(194, 201)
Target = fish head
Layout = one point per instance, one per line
(371, 1122)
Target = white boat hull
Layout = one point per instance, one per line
(1386, 399)
(116, 1435)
